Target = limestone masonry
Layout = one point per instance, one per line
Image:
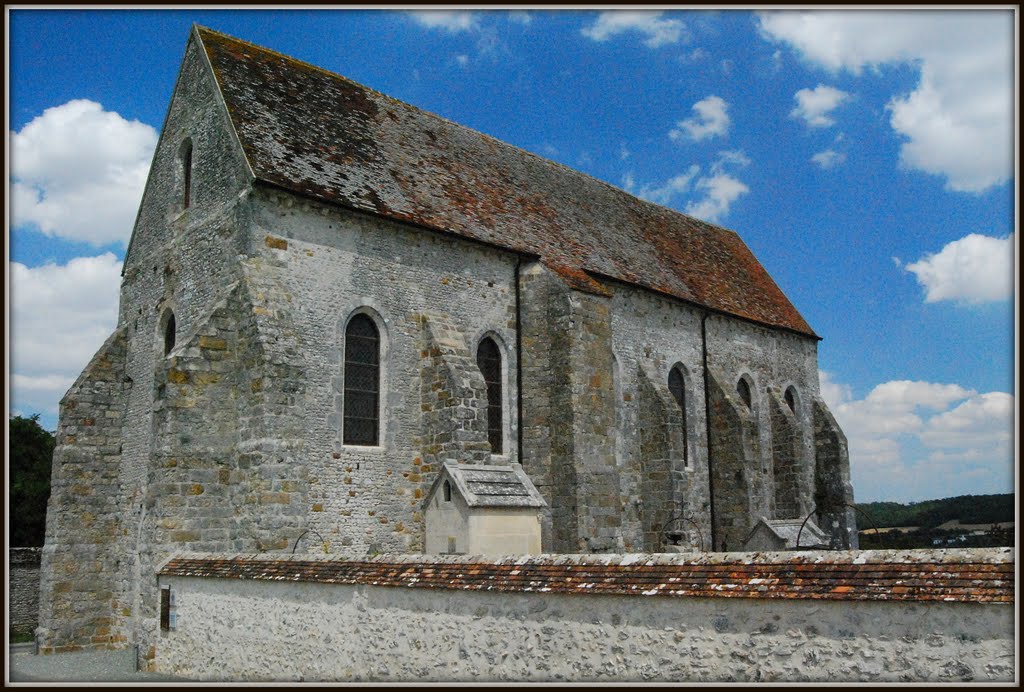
(330, 294)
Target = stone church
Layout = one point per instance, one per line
(330, 295)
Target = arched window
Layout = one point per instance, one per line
(743, 389)
(186, 172)
(170, 333)
(488, 359)
(677, 385)
(362, 382)
(447, 491)
(790, 397)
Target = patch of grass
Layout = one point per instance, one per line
(21, 637)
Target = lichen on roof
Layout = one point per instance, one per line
(325, 137)
(951, 576)
(489, 485)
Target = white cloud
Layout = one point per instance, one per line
(834, 393)
(720, 192)
(958, 122)
(673, 187)
(462, 60)
(659, 31)
(452, 21)
(60, 315)
(912, 440)
(974, 269)
(520, 17)
(712, 119)
(813, 106)
(829, 158)
(982, 420)
(78, 172)
(720, 188)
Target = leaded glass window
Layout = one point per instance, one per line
(677, 386)
(362, 382)
(488, 359)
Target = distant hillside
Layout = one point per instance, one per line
(969, 509)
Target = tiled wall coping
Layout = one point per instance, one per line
(984, 575)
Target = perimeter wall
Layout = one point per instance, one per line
(869, 616)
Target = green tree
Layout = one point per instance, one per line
(30, 461)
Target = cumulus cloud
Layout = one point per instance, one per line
(447, 20)
(717, 189)
(958, 122)
(711, 120)
(60, 315)
(720, 188)
(670, 190)
(78, 172)
(659, 31)
(974, 269)
(813, 106)
(980, 421)
(828, 159)
(912, 440)
(720, 191)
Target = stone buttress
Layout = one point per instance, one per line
(569, 412)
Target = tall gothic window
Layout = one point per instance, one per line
(677, 385)
(186, 170)
(362, 382)
(488, 359)
(743, 389)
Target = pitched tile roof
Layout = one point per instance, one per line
(323, 136)
(489, 485)
(792, 530)
(979, 576)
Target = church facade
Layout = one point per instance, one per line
(329, 294)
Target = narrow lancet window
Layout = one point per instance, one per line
(488, 359)
(677, 385)
(791, 399)
(743, 389)
(362, 382)
(186, 170)
(170, 334)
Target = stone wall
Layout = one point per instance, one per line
(23, 582)
(277, 628)
(652, 335)
(84, 516)
(791, 493)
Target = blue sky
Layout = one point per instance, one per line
(866, 158)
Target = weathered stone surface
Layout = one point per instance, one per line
(267, 628)
(225, 432)
(23, 582)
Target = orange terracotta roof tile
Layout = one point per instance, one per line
(964, 576)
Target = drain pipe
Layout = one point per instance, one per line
(519, 369)
(707, 427)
